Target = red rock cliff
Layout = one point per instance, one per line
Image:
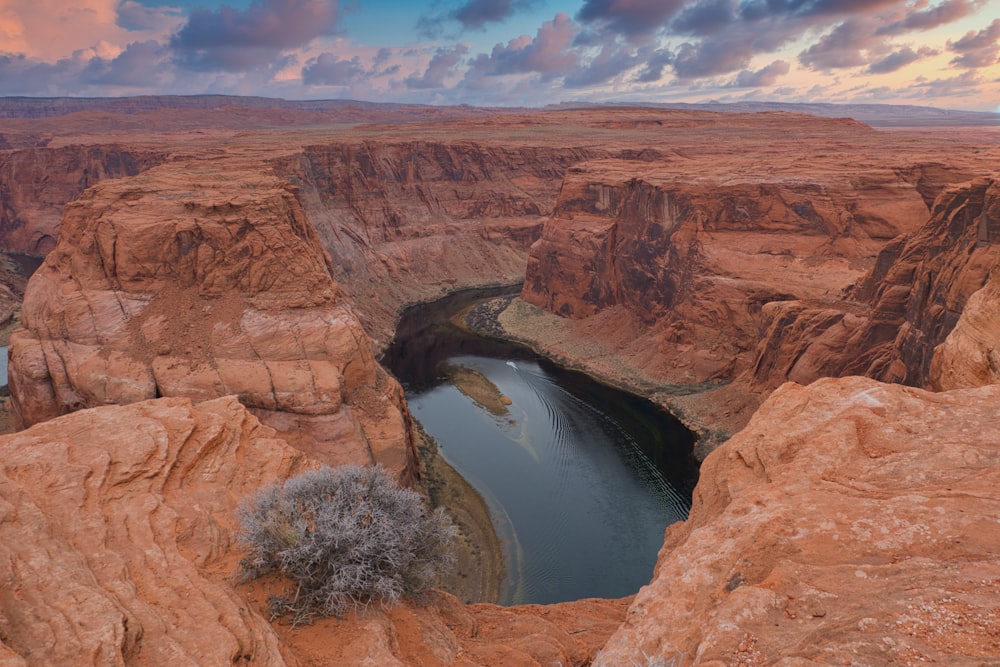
(404, 220)
(694, 255)
(35, 184)
(200, 280)
(888, 324)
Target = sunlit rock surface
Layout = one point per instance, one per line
(851, 522)
(117, 548)
(201, 280)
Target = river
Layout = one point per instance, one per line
(581, 479)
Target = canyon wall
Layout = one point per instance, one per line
(35, 184)
(694, 258)
(200, 280)
(970, 355)
(407, 221)
(887, 325)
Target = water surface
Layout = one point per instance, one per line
(581, 479)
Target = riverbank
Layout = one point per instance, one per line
(573, 344)
(479, 569)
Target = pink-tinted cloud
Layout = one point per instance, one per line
(932, 17)
(548, 53)
(765, 76)
(900, 59)
(133, 16)
(632, 18)
(140, 65)
(329, 70)
(978, 49)
(851, 44)
(442, 67)
(235, 40)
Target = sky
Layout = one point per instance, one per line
(942, 53)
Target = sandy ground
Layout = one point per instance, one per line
(479, 571)
(478, 387)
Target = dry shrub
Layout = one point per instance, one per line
(346, 537)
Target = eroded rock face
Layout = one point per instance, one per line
(35, 183)
(889, 323)
(694, 256)
(402, 219)
(970, 355)
(851, 521)
(198, 281)
(117, 548)
(116, 535)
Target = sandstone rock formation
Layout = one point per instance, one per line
(851, 522)
(117, 548)
(970, 355)
(12, 285)
(695, 259)
(36, 182)
(709, 275)
(198, 281)
(888, 324)
(406, 220)
(116, 535)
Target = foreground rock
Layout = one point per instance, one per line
(116, 535)
(201, 280)
(117, 548)
(851, 522)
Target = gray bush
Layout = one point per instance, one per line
(346, 537)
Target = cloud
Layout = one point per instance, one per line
(548, 53)
(926, 19)
(327, 69)
(765, 76)
(757, 9)
(238, 40)
(899, 59)
(475, 14)
(963, 85)
(658, 61)
(472, 15)
(978, 49)
(610, 62)
(850, 44)
(705, 18)
(141, 65)
(631, 18)
(133, 16)
(440, 68)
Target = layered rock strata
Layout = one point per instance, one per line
(888, 324)
(117, 536)
(35, 183)
(117, 548)
(970, 355)
(693, 260)
(851, 522)
(407, 221)
(200, 280)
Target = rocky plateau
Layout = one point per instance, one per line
(216, 291)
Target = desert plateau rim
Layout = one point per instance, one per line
(816, 297)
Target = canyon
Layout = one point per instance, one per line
(218, 286)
